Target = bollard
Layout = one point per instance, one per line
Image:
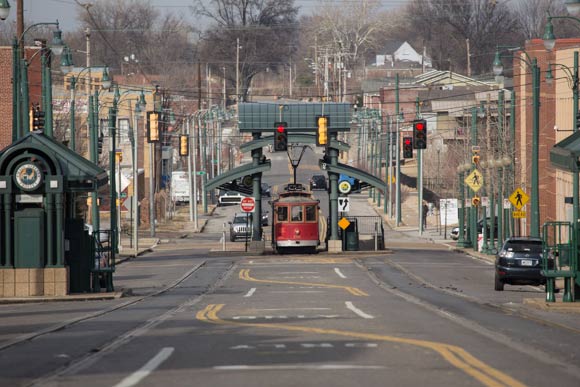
(224, 238)
(376, 237)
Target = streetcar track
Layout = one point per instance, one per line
(472, 325)
(92, 357)
(67, 324)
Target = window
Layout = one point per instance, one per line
(310, 213)
(123, 128)
(282, 214)
(297, 213)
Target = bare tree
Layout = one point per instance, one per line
(120, 28)
(531, 15)
(266, 29)
(445, 25)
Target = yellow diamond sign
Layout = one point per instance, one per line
(343, 223)
(519, 198)
(474, 180)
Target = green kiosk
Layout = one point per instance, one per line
(44, 247)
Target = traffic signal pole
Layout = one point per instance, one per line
(333, 177)
(420, 174)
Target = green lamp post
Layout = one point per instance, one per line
(532, 63)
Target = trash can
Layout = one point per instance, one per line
(79, 256)
(351, 236)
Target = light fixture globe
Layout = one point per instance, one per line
(573, 6)
(66, 64)
(549, 37)
(506, 161)
(57, 45)
(105, 80)
(4, 9)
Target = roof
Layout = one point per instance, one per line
(391, 46)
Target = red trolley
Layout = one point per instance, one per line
(296, 221)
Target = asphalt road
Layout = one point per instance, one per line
(418, 314)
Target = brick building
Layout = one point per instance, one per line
(35, 91)
(556, 123)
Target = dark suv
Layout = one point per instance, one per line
(519, 262)
(317, 182)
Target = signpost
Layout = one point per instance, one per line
(474, 180)
(343, 204)
(248, 205)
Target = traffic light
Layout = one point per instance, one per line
(31, 116)
(407, 147)
(475, 201)
(100, 144)
(280, 137)
(152, 127)
(420, 134)
(475, 159)
(184, 145)
(37, 119)
(322, 130)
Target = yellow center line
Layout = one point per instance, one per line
(245, 275)
(456, 356)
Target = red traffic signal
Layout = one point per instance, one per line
(407, 147)
(420, 134)
(280, 137)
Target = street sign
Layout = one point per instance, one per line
(485, 201)
(343, 223)
(123, 195)
(519, 214)
(519, 198)
(474, 180)
(200, 173)
(248, 204)
(506, 204)
(344, 187)
(343, 204)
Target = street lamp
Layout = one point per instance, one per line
(535, 190)
(4, 9)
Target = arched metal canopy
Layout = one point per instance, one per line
(302, 138)
(225, 178)
(365, 179)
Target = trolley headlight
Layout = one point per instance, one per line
(296, 232)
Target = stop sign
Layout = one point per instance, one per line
(248, 204)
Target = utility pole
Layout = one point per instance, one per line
(420, 173)
(468, 58)
(20, 25)
(238, 71)
(398, 155)
(326, 94)
(224, 88)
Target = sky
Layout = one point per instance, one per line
(66, 11)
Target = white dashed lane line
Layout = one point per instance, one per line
(250, 292)
(360, 313)
(151, 366)
(337, 270)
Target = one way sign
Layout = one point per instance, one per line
(343, 204)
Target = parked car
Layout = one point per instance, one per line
(454, 233)
(318, 182)
(519, 262)
(229, 197)
(241, 225)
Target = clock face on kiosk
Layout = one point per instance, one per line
(28, 176)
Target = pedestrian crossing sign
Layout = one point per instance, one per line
(519, 198)
(474, 180)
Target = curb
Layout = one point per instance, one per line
(72, 297)
(559, 306)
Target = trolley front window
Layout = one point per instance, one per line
(297, 213)
(282, 214)
(311, 213)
